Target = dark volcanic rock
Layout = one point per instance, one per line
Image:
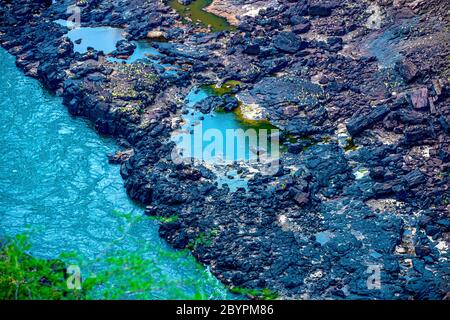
(251, 49)
(301, 28)
(414, 178)
(124, 48)
(328, 212)
(273, 91)
(209, 104)
(288, 42)
(419, 98)
(320, 9)
(358, 124)
(325, 163)
(406, 69)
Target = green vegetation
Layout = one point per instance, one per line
(259, 294)
(255, 124)
(194, 13)
(122, 89)
(23, 277)
(136, 275)
(133, 273)
(306, 141)
(169, 219)
(295, 139)
(226, 88)
(350, 146)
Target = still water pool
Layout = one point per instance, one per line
(195, 13)
(57, 187)
(221, 140)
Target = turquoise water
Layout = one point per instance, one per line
(57, 187)
(221, 140)
(100, 38)
(144, 50)
(105, 39)
(237, 141)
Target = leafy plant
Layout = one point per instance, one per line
(260, 294)
(139, 272)
(169, 219)
(25, 277)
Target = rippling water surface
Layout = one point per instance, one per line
(57, 187)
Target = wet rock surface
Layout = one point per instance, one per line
(363, 184)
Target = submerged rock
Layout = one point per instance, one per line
(209, 104)
(185, 2)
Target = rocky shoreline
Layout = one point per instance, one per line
(363, 87)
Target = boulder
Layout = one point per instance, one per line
(275, 91)
(230, 103)
(124, 48)
(406, 69)
(358, 124)
(377, 173)
(120, 156)
(326, 163)
(445, 123)
(320, 9)
(274, 65)
(156, 35)
(414, 178)
(301, 28)
(251, 49)
(288, 42)
(209, 104)
(302, 198)
(416, 134)
(50, 75)
(419, 98)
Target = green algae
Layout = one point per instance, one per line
(293, 139)
(252, 124)
(195, 13)
(226, 88)
(350, 146)
(169, 219)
